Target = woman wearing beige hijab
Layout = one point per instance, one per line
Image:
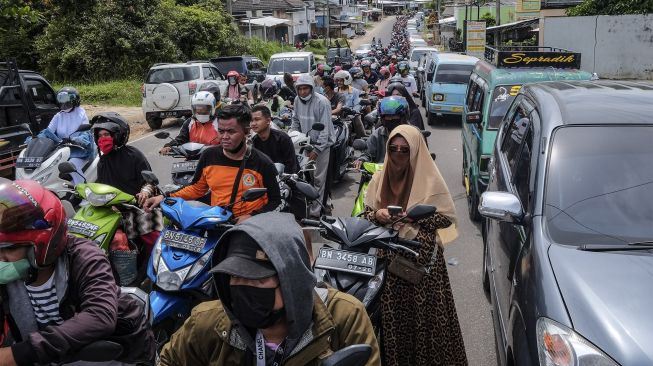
(419, 320)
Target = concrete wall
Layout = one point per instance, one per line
(615, 47)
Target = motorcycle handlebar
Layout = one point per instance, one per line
(309, 222)
(409, 243)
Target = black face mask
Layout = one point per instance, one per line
(238, 148)
(391, 125)
(253, 306)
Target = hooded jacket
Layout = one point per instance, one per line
(320, 321)
(316, 109)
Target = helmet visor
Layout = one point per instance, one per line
(201, 109)
(18, 210)
(65, 100)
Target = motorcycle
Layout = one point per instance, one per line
(40, 159)
(341, 152)
(183, 171)
(352, 265)
(99, 219)
(296, 192)
(181, 258)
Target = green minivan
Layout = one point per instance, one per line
(493, 85)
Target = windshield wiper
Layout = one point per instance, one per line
(643, 245)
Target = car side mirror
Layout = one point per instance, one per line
(253, 194)
(502, 206)
(473, 117)
(307, 190)
(360, 145)
(162, 135)
(357, 354)
(150, 177)
(426, 133)
(318, 126)
(419, 212)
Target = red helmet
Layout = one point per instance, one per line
(233, 73)
(30, 215)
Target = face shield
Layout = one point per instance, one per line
(66, 101)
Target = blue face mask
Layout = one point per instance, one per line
(13, 271)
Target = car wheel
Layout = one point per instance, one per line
(486, 267)
(431, 118)
(155, 123)
(472, 205)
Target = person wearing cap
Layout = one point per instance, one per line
(58, 291)
(310, 108)
(271, 311)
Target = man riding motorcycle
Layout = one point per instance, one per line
(201, 127)
(229, 169)
(344, 82)
(357, 79)
(59, 293)
(394, 111)
(276, 144)
(407, 78)
(268, 91)
(369, 75)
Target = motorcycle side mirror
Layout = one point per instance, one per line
(150, 177)
(307, 190)
(162, 135)
(419, 212)
(426, 133)
(318, 127)
(280, 168)
(354, 355)
(253, 194)
(66, 168)
(360, 145)
(84, 127)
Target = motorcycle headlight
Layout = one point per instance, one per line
(168, 280)
(43, 177)
(199, 265)
(98, 199)
(558, 345)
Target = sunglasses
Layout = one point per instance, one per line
(399, 149)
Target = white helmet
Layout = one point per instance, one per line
(203, 104)
(345, 75)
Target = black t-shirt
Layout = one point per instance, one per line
(122, 169)
(279, 148)
(335, 99)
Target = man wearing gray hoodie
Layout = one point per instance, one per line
(310, 108)
(270, 311)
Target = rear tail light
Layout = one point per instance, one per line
(192, 86)
(143, 90)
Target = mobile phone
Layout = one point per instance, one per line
(394, 210)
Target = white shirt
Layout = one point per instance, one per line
(410, 84)
(63, 124)
(45, 303)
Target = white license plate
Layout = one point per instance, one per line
(184, 167)
(83, 228)
(31, 162)
(346, 261)
(168, 114)
(176, 239)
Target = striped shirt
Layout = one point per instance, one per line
(45, 303)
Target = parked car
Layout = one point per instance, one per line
(27, 104)
(363, 50)
(492, 87)
(339, 56)
(568, 246)
(295, 63)
(445, 86)
(247, 65)
(415, 54)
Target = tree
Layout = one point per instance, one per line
(489, 20)
(611, 7)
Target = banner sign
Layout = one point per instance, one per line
(475, 38)
(559, 60)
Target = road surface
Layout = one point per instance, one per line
(463, 255)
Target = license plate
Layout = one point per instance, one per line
(83, 228)
(346, 261)
(183, 241)
(184, 167)
(32, 162)
(168, 114)
(457, 109)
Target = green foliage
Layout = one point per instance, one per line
(490, 21)
(16, 11)
(261, 49)
(611, 7)
(118, 92)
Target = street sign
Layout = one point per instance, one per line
(475, 38)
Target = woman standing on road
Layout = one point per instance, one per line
(419, 320)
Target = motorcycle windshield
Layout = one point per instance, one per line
(193, 148)
(39, 147)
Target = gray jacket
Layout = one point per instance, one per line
(317, 109)
(376, 142)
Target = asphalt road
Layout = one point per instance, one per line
(464, 255)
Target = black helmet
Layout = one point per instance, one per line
(213, 88)
(68, 98)
(114, 123)
(394, 84)
(268, 88)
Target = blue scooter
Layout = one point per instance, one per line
(181, 258)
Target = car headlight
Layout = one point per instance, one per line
(437, 97)
(98, 199)
(199, 265)
(560, 346)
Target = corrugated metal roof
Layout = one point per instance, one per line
(244, 5)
